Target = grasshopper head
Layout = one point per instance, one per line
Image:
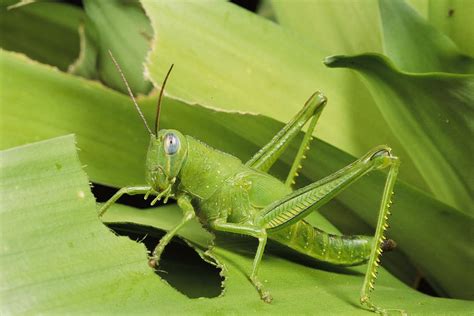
(167, 150)
(166, 155)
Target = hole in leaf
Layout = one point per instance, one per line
(424, 286)
(180, 265)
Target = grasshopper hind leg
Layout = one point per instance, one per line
(381, 244)
(268, 155)
(298, 204)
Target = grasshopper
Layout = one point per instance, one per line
(230, 196)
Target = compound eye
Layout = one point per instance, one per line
(171, 143)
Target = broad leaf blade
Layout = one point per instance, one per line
(56, 255)
(325, 24)
(454, 18)
(46, 32)
(123, 28)
(250, 64)
(416, 46)
(432, 115)
(85, 64)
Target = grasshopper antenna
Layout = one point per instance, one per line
(130, 92)
(158, 107)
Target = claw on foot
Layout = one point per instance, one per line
(388, 245)
(153, 263)
(364, 300)
(387, 312)
(266, 297)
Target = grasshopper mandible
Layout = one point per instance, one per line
(242, 198)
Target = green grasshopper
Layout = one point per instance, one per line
(242, 198)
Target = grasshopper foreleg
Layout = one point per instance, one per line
(188, 214)
(132, 190)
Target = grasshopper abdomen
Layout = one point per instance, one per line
(317, 244)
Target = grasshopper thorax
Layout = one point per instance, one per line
(166, 155)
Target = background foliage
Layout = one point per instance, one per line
(241, 75)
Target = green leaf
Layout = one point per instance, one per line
(416, 46)
(432, 115)
(46, 32)
(86, 63)
(326, 23)
(413, 109)
(453, 18)
(333, 33)
(69, 110)
(113, 144)
(123, 28)
(56, 256)
(250, 64)
(79, 267)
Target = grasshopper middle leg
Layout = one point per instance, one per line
(254, 231)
